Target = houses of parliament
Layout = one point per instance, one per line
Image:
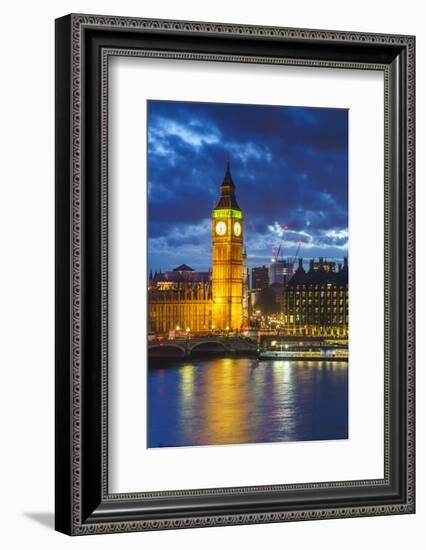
(217, 299)
(311, 303)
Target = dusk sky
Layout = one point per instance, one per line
(289, 166)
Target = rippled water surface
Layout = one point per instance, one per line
(246, 400)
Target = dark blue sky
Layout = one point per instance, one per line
(289, 166)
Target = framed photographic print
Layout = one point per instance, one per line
(234, 274)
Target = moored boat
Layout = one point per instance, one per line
(306, 354)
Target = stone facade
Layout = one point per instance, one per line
(317, 301)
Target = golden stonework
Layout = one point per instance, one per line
(227, 245)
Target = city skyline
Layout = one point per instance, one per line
(303, 148)
(230, 364)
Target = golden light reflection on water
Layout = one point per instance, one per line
(187, 374)
(227, 401)
(187, 398)
(226, 405)
(283, 393)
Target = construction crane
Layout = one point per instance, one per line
(276, 251)
(299, 244)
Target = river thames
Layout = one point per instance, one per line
(246, 400)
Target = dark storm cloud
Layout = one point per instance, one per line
(289, 164)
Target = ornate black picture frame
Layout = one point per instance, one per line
(84, 44)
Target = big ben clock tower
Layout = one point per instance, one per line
(227, 275)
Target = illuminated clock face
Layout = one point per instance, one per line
(237, 229)
(220, 228)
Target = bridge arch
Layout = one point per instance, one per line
(166, 351)
(215, 347)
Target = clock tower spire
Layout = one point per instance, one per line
(227, 274)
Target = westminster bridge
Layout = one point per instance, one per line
(208, 345)
(185, 347)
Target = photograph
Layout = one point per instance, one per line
(248, 274)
